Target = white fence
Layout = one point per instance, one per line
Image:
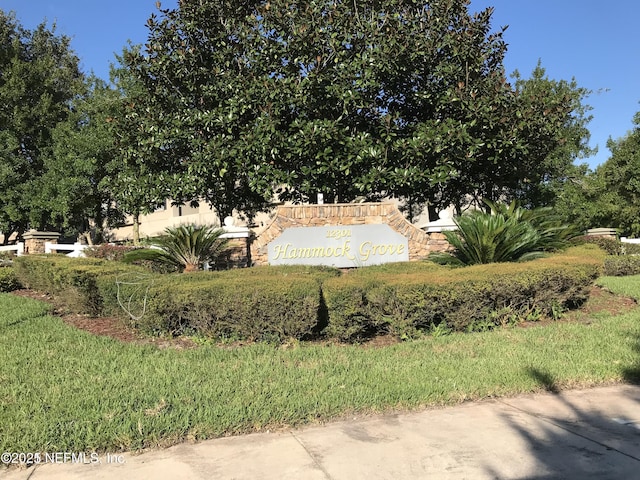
(18, 248)
(629, 240)
(76, 249)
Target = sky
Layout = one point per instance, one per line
(593, 41)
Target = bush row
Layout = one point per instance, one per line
(276, 303)
(612, 246)
(85, 285)
(258, 303)
(368, 302)
(261, 303)
(622, 265)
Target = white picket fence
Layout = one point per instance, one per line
(76, 249)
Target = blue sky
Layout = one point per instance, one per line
(591, 40)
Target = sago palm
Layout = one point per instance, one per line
(507, 234)
(554, 234)
(485, 238)
(186, 246)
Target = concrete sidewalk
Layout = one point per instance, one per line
(577, 434)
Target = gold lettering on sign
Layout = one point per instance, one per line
(288, 251)
(338, 233)
(369, 248)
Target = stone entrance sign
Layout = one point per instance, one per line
(342, 235)
(341, 246)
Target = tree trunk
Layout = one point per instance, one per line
(86, 236)
(20, 231)
(136, 228)
(190, 267)
(432, 212)
(410, 208)
(223, 212)
(98, 231)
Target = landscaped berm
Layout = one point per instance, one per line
(279, 303)
(266, 347)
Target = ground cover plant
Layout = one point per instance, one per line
(62, 389)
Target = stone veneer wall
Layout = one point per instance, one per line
(237, 254)
(34, 241)
(420, 242)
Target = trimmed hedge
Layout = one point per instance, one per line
(86, 285)
(276, 303)
(262, 303)
(8, 280)
(612, 246)
(258, 303)
(622, 265)
(367, 302)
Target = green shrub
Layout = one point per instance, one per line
(8, 280)
(622, 265)
(276, 303)
(409, 304)
(265, 309)
(630, 248)
(86, 285)
(262, 303)
(107, 251)
(506, 234)
(612, 246)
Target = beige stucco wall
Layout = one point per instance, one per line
(154, 224)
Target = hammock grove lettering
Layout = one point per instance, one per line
(337, 246)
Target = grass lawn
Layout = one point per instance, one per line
(62, 389)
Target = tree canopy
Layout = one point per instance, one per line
(609, 196)
(240, 103)
(39, 76)
(404, 98)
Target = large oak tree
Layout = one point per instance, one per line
(39, 77)
(404, 98)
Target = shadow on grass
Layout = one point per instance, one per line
(632, 374)
(575, 437)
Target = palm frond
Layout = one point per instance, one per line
(509, 233)
(187, 246)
